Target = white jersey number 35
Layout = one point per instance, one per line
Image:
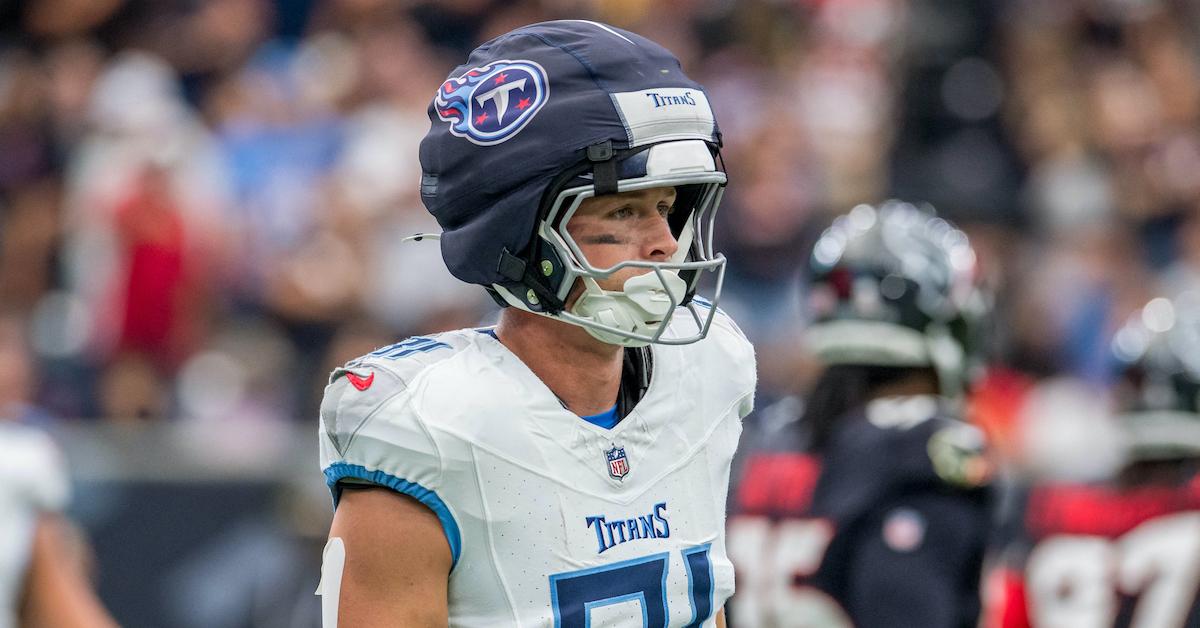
(769, 558)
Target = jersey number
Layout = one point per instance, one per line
(771, 559)
(574, 594)
(1074, 581)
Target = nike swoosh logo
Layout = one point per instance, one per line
(359, 382)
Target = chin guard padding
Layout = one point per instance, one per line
(642, 306)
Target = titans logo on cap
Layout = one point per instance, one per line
(490, 104)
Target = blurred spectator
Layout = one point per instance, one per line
(161, 301)
(144, 216)
(18, 375)
(29, 230)
(131, 388)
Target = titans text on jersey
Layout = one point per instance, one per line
(651, 526)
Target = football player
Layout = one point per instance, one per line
(869, 509)
(42, 579)
(568, 467)
(1124, 552)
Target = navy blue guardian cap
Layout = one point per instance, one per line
(544, 117)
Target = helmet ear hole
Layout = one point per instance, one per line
(550, 268)
(534, 279)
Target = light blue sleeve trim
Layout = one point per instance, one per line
(341, 470)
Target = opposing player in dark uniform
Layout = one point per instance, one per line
(870, 508)
(1124, 553)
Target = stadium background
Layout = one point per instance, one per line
(201, 206)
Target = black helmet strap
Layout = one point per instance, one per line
(604, 167)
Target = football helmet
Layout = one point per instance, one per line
(895, 285)
(539, 120)
(1157, 388)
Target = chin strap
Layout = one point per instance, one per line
(604, 168)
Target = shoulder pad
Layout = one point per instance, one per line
(725, 344)
(959, 456)
(353, 395)
(410, 355)
(723, 333)
(359, 388)
(32, 464)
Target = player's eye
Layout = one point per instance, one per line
(665, 210)
(624, 211)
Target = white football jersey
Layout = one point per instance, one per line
(35, 482)
(551, 520)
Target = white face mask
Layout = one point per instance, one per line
(643, 306)
(638, 313)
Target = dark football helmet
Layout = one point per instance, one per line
(1157, 391)
(895, 285)
(544, 117)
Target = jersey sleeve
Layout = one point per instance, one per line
(35, 465)
(370, 435)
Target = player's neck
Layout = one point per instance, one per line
(582, 371)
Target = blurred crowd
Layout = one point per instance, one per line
(202, 204)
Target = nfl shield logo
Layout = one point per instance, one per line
(618, 464)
